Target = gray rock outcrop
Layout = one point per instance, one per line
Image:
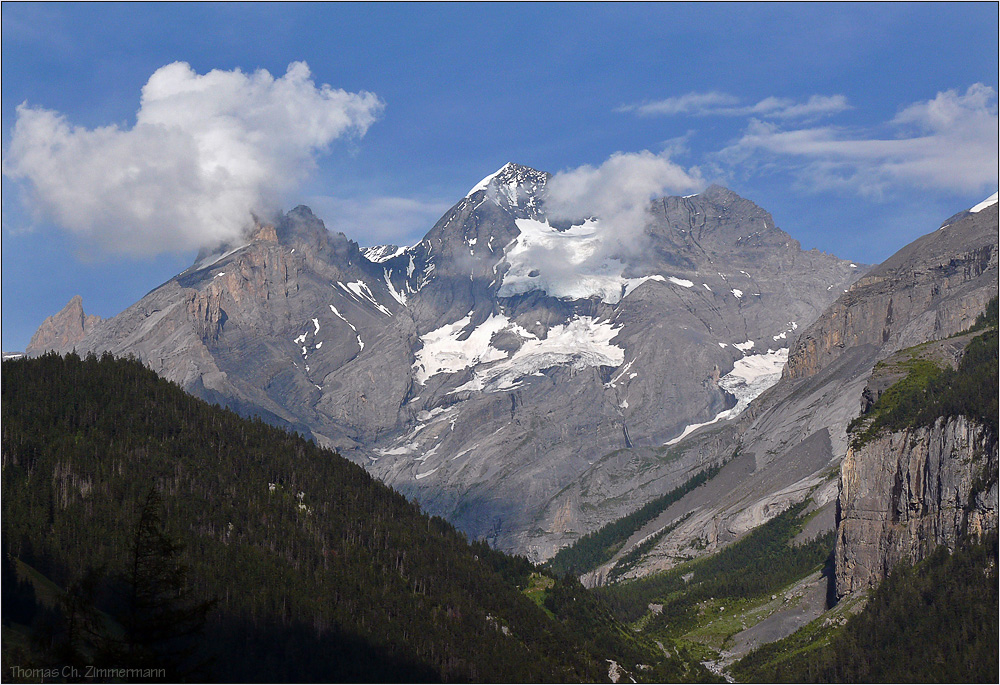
(905, 493)
(63, 330)
(930, 289)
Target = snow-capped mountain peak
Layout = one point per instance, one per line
(511, 186)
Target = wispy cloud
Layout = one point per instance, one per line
(690, 103)
(948, 143)
(205, 152)
(723, 104)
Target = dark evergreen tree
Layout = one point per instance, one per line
(163, 620)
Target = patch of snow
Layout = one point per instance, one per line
(443, 352)
(316, 324)
(723, 345)
(988, 202)
(381, 253)
(362, 292)
(581, 342)
(633, 283)
(400, 297)
(750, 377)
(621, 373)
(482, 185)
(301, 339)
(853, 265)
(465, 451)
(396, 451)
(428, 473)
(753, 374)
(738, 293)
(565, 263)
(428, 454)
(215, 257)
(744, 346)
(221, 273)
(319, 344)
(361, 343)
(684, 283)
(613, 671)
(424, 416)
(706, 287)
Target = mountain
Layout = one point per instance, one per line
(509, 369)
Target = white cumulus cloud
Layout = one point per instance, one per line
(205, 152)
(618, 192)
(617, 197)
(948, 143)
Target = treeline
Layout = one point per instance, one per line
(760, 563)
(317, 571)
(929, 392)
(601, 545)
(933, 622)
(628, 560)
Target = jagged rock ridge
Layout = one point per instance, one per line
(63, 330)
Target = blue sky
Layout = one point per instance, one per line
(858, 126)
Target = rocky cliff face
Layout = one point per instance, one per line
(931, 289)
(63, 330)
(905, 493)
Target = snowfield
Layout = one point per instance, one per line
(751, 376)
(581, 342)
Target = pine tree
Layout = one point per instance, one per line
(163, 621)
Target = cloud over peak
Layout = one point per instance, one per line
(205, 152)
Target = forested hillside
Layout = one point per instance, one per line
(303, 567)
(933, 622)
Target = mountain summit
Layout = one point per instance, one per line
(485, 369)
